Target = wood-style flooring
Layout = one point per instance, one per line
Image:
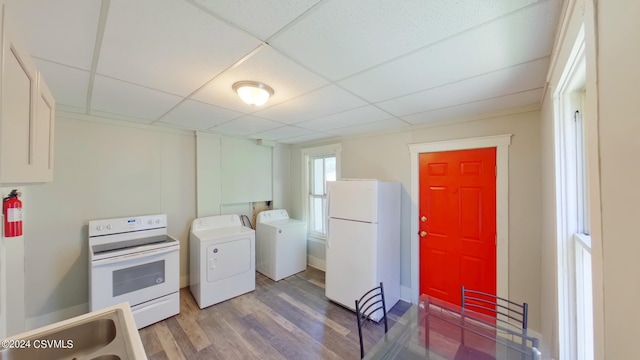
(288, 319)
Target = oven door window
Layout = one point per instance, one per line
(138, 277)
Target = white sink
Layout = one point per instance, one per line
(107, 334)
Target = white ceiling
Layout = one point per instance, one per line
(337, 67)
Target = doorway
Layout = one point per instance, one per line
(457, 226)
(501, 144)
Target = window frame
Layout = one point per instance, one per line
(575, 265)
(312, 195)
(307, 154)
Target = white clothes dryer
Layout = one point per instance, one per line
(281, 244)
(222, 254)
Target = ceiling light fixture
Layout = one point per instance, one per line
(253, 92)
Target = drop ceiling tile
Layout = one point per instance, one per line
(168, 45)
(266, 65)
(260, 18)
(498, 83)
(357, 116)
(68, 85)
(382, 50)
(283, 132)
(306, 138)
(477, 107)
(322, 102)
(376, 126)
(523, 36)
(340, 38)
(246, 125)
(195, 114)
(130, 100)
(62, 31)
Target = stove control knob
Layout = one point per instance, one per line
(99, 227)
(109, 226)
(150, 221)
(158, 221)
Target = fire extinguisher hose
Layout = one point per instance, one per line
(13, 194)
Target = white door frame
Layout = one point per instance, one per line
(501, 143)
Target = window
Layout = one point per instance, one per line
(575, 280)
(321, 164)
(321, 170)
(581, 238)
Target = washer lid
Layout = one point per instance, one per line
(284, 223)
(214, 233)
(216, 222)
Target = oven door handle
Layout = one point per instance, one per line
(138, 255)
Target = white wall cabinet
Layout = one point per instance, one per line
(233, 173)
(230, 171)
(43, 132)
(27, 118)
(245, 171)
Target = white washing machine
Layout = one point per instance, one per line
(222, 254)
(281, 244)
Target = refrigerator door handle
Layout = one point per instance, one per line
(326, 217)
(328, 236)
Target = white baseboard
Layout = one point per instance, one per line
(319, 264)
(50, 318)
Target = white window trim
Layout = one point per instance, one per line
(584, 241)
(307, 153)
(501, 143)
(585, 349)
(566, 224)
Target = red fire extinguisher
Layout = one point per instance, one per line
(12, 211)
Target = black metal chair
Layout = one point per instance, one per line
(367, 307)
(503, 310)
(505, 316)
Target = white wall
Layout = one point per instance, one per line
(618, 78)
(281, 177)
(208, 177)
(386, 156)
(106, 169)
(102, 170)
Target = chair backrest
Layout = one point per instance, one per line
(369, 304)
(503, 310)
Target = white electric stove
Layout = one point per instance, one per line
(133, 259)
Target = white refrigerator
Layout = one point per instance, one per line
(363, 240)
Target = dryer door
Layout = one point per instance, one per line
(228, 259)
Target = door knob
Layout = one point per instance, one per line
(423, 218)
(423, 233)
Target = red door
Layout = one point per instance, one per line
(457, 225)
